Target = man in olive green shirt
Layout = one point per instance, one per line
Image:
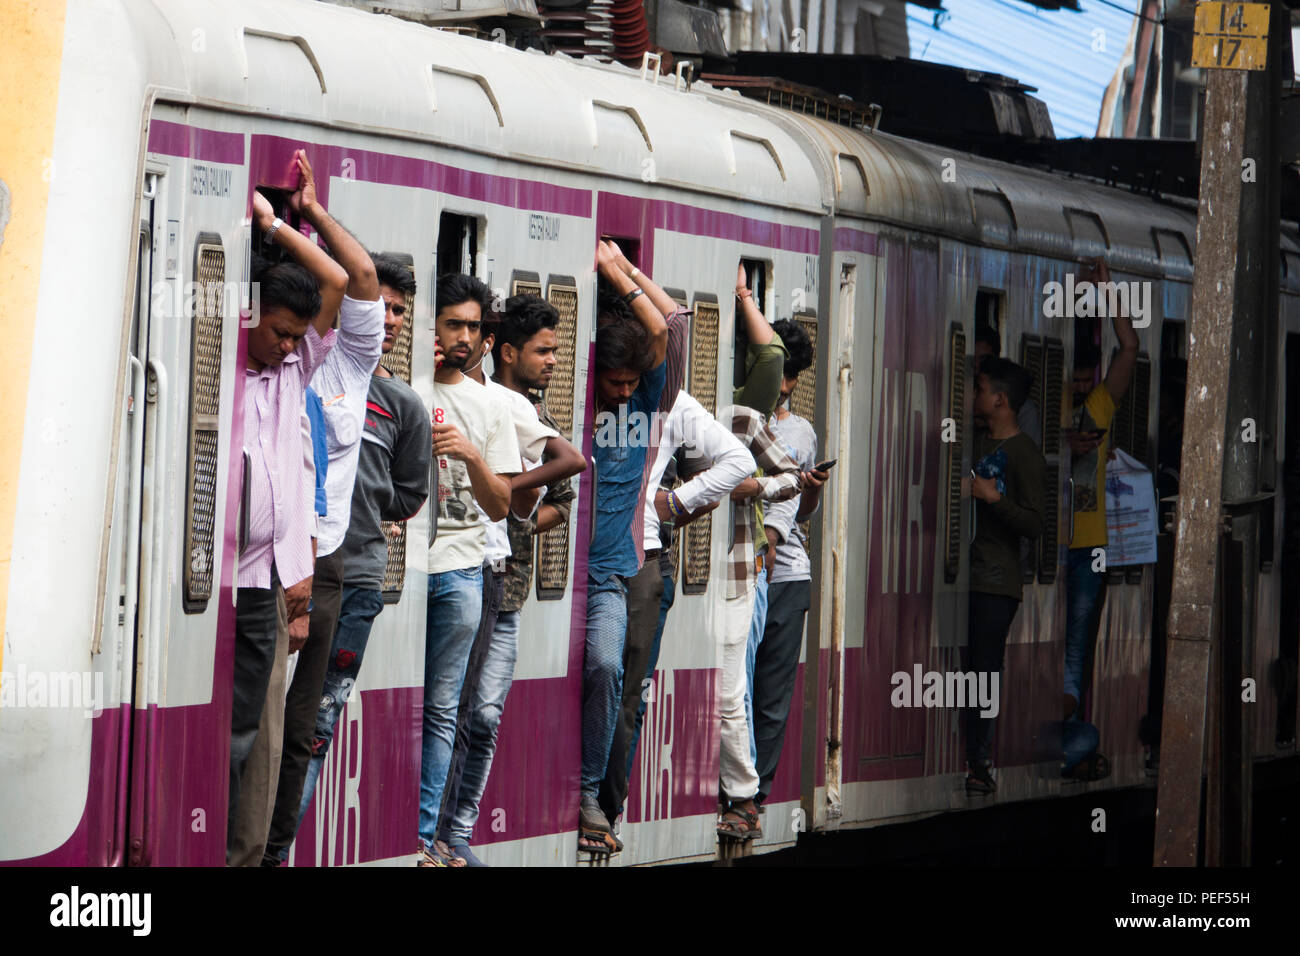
(1007, 483)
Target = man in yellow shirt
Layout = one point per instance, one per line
(1090, 447)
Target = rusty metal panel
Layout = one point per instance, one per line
(803, 400)
(1051, 397)
(553, 546)
(398, 363)
(703, 381)
(205, 405)
(1031, 358)
(952, 453)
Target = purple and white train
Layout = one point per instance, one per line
(140, 129)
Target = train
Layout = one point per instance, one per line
(140, 130)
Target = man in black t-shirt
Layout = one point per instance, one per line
(1007, 483)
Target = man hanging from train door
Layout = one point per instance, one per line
(390, 483)
(1090, 446)
(1007, 484)
(688, 431)
(632, 368)
(477, 453)
(296, 302)
(341, 381)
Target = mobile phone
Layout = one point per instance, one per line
(825, 465)
(1100, 433)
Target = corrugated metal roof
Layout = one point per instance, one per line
(1051, 50)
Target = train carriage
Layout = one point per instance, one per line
(160, 118)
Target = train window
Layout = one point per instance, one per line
(553, 546)
(1129, 429)
(398, 362)
(458, 240)
(756, 279)
(952, 452)
(1050, 396)
(988, 317)
(702, 379)
(205, 407)
(525, 283)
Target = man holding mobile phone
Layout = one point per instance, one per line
(1008, 485)
(774, 662)
(1094, 409)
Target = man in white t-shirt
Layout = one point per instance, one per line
(535, 440)
(690, 430)
(476, 454)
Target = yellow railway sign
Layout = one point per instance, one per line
(1230, 36)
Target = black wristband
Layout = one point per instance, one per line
(632, 295)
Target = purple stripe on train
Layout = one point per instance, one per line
(193, 142)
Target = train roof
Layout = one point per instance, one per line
(323, 64)
(882, 177)
(329, 65)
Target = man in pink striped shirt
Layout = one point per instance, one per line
(297, 302)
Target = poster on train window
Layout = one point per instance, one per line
(1130, 512)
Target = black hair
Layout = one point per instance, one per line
(524, 317)
(1006, 376)
(1086, 355)
(394, 274)
(798, 346)
(456, 287)
(610, 307)
(286, 285)
(623, 343)
(989, 336)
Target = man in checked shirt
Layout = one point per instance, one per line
(782, 479)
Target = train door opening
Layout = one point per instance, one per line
(458, 244)
(756, 276)
(631, 249)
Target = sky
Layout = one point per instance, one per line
(1051, 50)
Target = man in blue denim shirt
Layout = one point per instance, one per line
(631, 344)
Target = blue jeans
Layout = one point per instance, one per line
(455, 606)
(756, 627)
(485, 718)
(665, 605)
(602, 676)
(1084, 595)
(358, 609)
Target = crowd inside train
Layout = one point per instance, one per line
(336, 447)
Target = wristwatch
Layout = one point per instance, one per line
(632, 295)
(274, 226)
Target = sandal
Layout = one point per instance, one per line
(594, 834)
(732, 826)
(748, 812)
(1093, 767)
